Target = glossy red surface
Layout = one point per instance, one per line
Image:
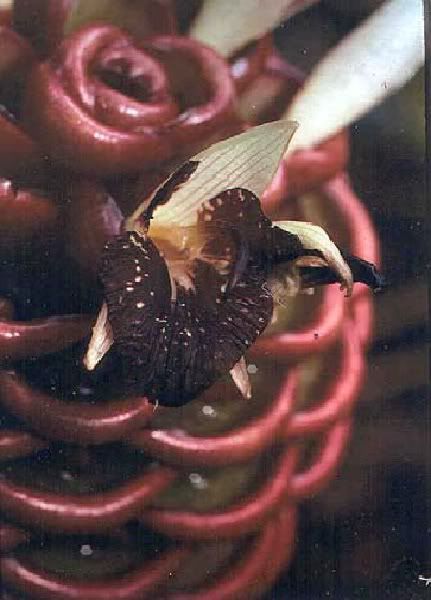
(95, 131)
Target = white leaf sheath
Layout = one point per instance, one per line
(378, 58)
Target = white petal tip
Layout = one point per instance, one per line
(241, 379)
(101, 340)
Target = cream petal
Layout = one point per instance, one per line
(241, 379)
(314, 237)
(248, 160)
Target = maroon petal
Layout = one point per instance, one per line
(174, 343)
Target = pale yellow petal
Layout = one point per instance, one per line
(247, 160)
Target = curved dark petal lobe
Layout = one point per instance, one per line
(362, 271)
(176, 337)
(238, 211)
(172, 351)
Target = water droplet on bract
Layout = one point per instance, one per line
(86, 550)
(209, 411)
(85, 391)
(197, 481)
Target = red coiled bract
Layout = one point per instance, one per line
(85, 472)
(89, 125)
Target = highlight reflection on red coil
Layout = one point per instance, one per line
(46, 426)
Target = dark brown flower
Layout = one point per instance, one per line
(184, 304)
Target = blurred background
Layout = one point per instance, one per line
(368, 534)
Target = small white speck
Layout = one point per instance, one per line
(198, 481)
(129, 288)
(66, 475)
(138, 279)
(209, 411)
(86, 550)
(151, 293)
(140, 305)
(252, 369)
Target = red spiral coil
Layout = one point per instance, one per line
(257, 526)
